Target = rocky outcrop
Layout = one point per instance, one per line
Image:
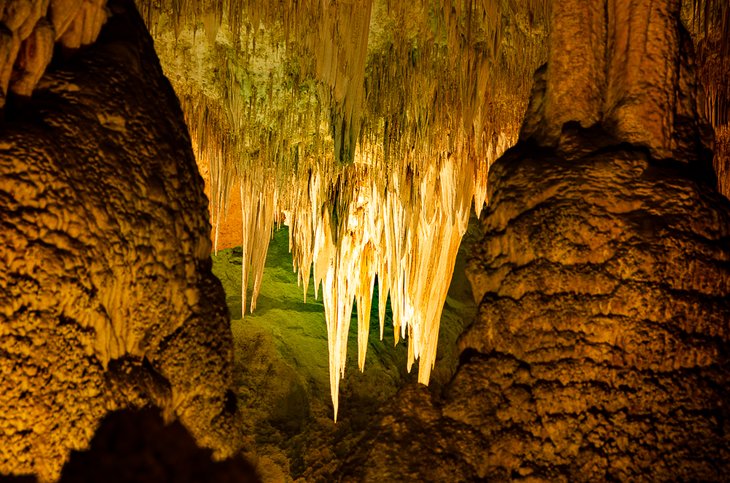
(106, 295)
(602, 338)
(600, 351)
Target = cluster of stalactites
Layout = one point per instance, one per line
(403, 229)
(709, 23)
(327, 39)
(421, 96)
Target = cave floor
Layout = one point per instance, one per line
(281, 367)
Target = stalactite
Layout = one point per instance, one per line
(373, 156)
(367, 127)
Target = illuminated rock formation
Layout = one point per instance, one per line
(427, 89)
(106, 294)
(367, 127)
(600, 349)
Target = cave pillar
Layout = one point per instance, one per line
(626, 65)
(107, 299)
(576, 72)
(643, 53)
(600, 348)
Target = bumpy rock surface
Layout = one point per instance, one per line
(604, 322)
(106, 295)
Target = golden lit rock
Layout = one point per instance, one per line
(34, 56)
(106, 296)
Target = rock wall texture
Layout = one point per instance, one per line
(604, 320)
(633, 72)
(600, 351)
(106, 295)
(709, 24)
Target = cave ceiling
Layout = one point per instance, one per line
(367, 127)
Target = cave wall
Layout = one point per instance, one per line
(709, 23)
(106, 295)
(600, 348)
(601, 344)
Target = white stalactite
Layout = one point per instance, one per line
(367, 127)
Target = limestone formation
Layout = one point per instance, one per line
(34, 55)
(368, 126)
(283, 98)
(600, 351)
(709, 23)
(106, 295)
(632, 76)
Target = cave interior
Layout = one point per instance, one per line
(364, 240)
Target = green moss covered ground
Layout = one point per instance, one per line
(282, 369)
